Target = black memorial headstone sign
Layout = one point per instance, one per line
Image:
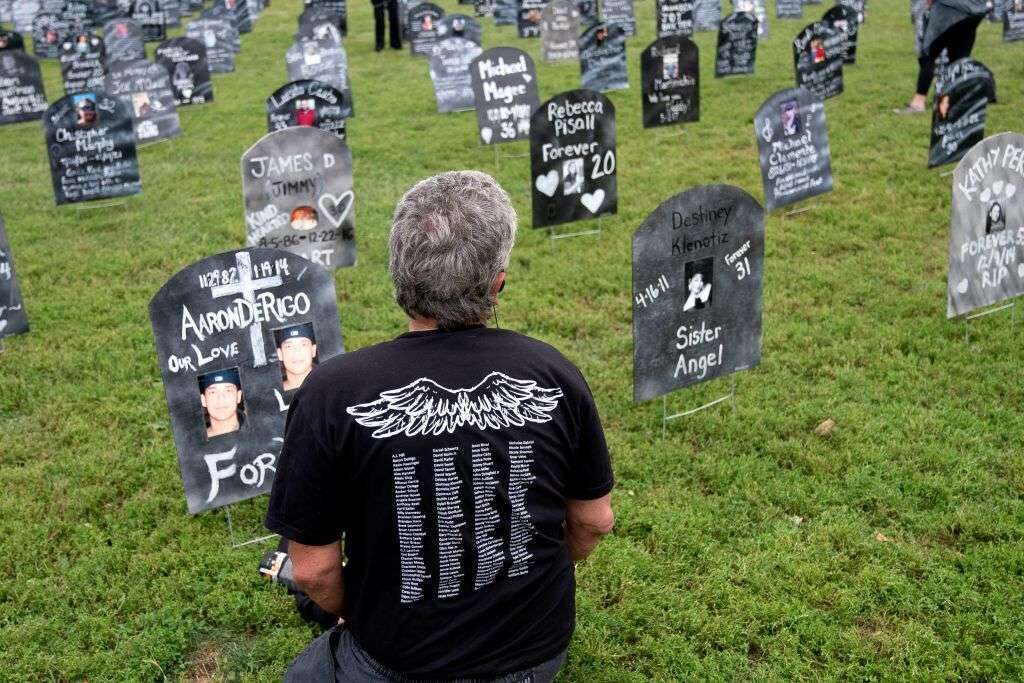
(308, 103)
(22, 96)
(11, 40)
(218, 36)
(588, 12)
(149, 15)
(146, 89)
(237, 12)
(844, 20)
(674, 17)
(619, 12)
(860, 8)
(505, 94)
(572, 158)
(449, 72)
(560, 27)
(793, 149)
(324, 30)
(83, 63)
(318, 15)
(506, 12)
(185, 60)
(48, 32)
(91, 146)
(337, 9)
(698, 271)
(460, 26)
(13, 319)
(959, 110)
(670, 74)
(707, 14)
(423, 19)
(23, 15)
(104, 11)
(818, 59)
(124, 40)
(603, 58)
(737, 45)
(986, 230)
(789, 9)
(528, 18)
(172, 12)
(324, 61)
(298, 192)
(1013, 20)
(78, 14)
(759, 10)
(219, 326)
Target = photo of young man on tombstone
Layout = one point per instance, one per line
(296, 351)
(305, 113)
(221, 396)
(995, 219)
(699, 276)
(790, 118)
(86, 114)
(818, 50)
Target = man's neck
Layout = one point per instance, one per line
(422, 324)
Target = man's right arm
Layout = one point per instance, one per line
(586, 521)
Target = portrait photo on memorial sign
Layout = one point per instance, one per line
(698, 270)
(504, 82)
(959, 110)
(986, 229)
(528, 18)
(22, 95)
(793, 148)
(83, 63)
(298, 195)
(736, 51)
(185, 60)
(13, 318)
(91, 146)
(603, 58)
(221, 326)
(572, 158)
(670, 74)
(146, 89)
(308, 103)
(423, 21)
(559, 30)
(818, 59)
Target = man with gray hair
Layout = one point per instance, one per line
(465, 467)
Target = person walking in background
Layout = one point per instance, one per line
(394, 24)
(949, 25)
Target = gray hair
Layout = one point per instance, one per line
(450, 237)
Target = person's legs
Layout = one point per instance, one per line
(958, 41)
(960, 38)
(378, 26)
(395, 25)
(925, 73)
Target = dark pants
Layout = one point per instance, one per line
(958, 41)
(394, 27)
(336, 657)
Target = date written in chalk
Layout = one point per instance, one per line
(651, 292)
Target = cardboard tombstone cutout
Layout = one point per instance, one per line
(11, 40)
(337, 9)
(818, 59)
(48, 32)
(698, 270)
(528, 18)
(1013, 20)
(789, 9)
(588, 12)
(460, 26)
(238, 14)
(504, 93)
(318, 15)
(218, 13)
(707, 14)
(325, 30)
(185, 60)
(91, 145)
(218, 36)
(670, 71)
(172, 12)
(959, 110)
(986, 229)
(572, 158)
(146, 90)
(674, 17)
(78, 14)
(603, 58)
(23, 15)
(124, 41)
(297, 185)
(105, 11)
(13, 319)
(149, 15)
(860, 8)
(506, 12)
(423, 19)
(559, 29)
(737, 45)
(844, 21)
(22, 96)
(619, 12)
(222, 328)
(449, 72)
(793, 149)
(759, 10)
(308, 103)
(324, 61)
(83, 63)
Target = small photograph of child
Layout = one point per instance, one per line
(790, 113)
(572, 176)
(699, 276)
(670, 66)
(818, 50)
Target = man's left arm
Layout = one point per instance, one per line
(317, 570)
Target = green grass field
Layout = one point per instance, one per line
(746, 546)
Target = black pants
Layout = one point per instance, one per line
(958, 41)
(394, 27)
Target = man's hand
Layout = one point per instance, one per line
(317, 571)
(586, 521)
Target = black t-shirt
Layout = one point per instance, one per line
(446, 459)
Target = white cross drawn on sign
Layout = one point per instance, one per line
(248, 287)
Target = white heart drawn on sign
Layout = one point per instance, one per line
(1020, 270)
(527, 77)
(962, 287)
(593, 200)
(547, 184)
(986, 194)
(336, 208)
(997, 187)
(486, 133)
(1011, 190)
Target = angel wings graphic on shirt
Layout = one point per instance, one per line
(425, 407)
